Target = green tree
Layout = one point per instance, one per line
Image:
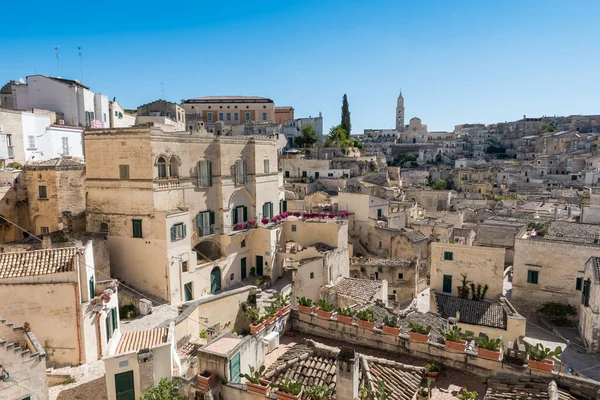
(345, 124)
(165, 390)
(440, 185)
(411, 157)
(356, 143)
(309, 136)
(338, 136)
(548, 128)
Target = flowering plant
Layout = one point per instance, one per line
(239, 226)
(265, 221)
(252, 222)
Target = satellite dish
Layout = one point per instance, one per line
(21, 80)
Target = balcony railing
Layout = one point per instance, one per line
(166, 183)
(206, 230)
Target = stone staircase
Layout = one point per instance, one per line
(16, 344)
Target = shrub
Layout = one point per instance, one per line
(253, 271)
(317, 392)
(541, 353)
(325, 305)
(166, 389)
(418, 328)
(391, 321)
(559, 313)
(127, 311)
(288, 386)
(253, 315)
(454, 334)
(304, 301)
(346, 312)
(366, 315)
(255, 375)
(239, 226)
(252, 222)
(488, 344)
(466, 395)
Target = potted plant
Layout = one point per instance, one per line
(265, 221)
(318, 392)
(424, 392)
(206, 379)
(432, 369)
(455, 338)
(390, 325)
(366, 319)
(324, 309)
(256, 324)
(418, 332)
(283, 305)
(466, 395)
(539, 357)
(270, 314)
(239, 226)
(288, 389)
(345, 315)
(256, 383)
(305, 305)
(488, 348)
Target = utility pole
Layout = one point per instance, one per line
(57, 50)
(80, 62)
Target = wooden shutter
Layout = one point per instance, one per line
(92, 287)
(211, 218)
(245, 214)
(209, 170)
(270, 209)
(108, 327)
(183, 228)
(447, 284)
(199, 220)
(235, 215)
(199, 173)
(265, 210)
(173, 233)
(244, 172)
(115, 323)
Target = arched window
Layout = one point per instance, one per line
(103, 227)
(174, 166)
(162, 167)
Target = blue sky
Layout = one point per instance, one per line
(456, 61)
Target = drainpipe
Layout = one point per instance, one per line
(77, 312)
(99, 336)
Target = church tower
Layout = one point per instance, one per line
(400, 113)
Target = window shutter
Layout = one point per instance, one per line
(92, 287)
(173, 233)
(270, 209)
(578, 283)
(199, 220)
(245, 214)
(284, 205)
(244, 171)
(235, 216)
(209, 168)
(265, 210)
(184, 231)
(108, 327)
(212, 221)
(114, 318)
(199, 174)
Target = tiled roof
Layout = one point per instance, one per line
(138, 340)
(379, 311)
(401, 381)
(323, 247)
(437, 323)
(458, 232)
(525, 388)
(39, 262)
(384, 262)
(596, 264)
(415, 236)
(359, 289)
(60, 162)
(572, 232)
(472, 312)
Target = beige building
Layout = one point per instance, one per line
(283, 114)
(23, 368)
(55, 291)
(169, 117)
(231, 110)
(415, 132)
(180, 209)
(589, 307)
(548, 267)
(402, 276)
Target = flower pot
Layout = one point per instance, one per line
(344, 319)
(271, 320)
(262, 389)
(417, 337)
(206, 379)
(324, 314)
(545, 365)
(283, 310)
(286, 396)
(305, 310)
(489, 354)
(256, 328)
(366, 324)
(419, 397)
(458, 346)
(388, 330)
(432, 374)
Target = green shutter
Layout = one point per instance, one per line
(199, 220)
(137, 228)
(284, 205)
(447, 288)
(173, 233)
(235, 216)
(209, 166)
(245, 171)
(115, 323)
(234, 369)
(211, 217)
(108, 327)
(578, 283)
(92, 288)
(265, 210)
(270, 209)
(245, 214)
(199, 173)
(184, 231)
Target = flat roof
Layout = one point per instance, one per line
(228, 99)
(223, 345)
(138, 340)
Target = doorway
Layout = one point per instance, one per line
(259, 266)
(124, 386)
(243, 263)
(215, 280)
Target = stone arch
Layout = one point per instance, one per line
(210, 249)
(215, 280)
(161, 166)
(240, 197)
(174, 163)
(41, 221)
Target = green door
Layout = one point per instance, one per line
(234, 369)
(124, 386)
(447, 284)
(259, 266)
(243, 261)
(215, 280)
(188, 291)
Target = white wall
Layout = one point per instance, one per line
(101, 109)
(48, 94)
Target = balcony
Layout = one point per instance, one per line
(166, 183)
(206, 230)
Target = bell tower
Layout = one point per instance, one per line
(400, 113)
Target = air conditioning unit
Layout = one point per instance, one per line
(271, 342)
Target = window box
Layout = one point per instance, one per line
(418, 337)
(262, 388)
(344, 319)
(366, 324)
(206, 379)
(545, 365)
(388, 330)
(283, 310)
(324, 314)
(489, 354)
(305, 309)
(287, 396)
(256, 328)
(458, 346)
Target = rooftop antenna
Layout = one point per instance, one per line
(80, 62)
(162, 88)
(57, 50)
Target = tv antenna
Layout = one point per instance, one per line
(57, 50)
(80, 62)
(162, 88)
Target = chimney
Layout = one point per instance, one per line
(346, 374)
(46, 242)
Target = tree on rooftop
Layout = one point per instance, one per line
(411, 157)
(345, 124)
(338, 136)
(309, 136)
(440, 185)
(548, 128)
(166, 389)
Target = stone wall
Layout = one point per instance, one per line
(83, 391)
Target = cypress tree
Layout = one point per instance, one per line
(346, 115)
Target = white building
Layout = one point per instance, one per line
(293, 128)
(118, 117)
(76, 103)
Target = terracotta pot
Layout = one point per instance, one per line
(306, 310)
(366, 324)
(205, 382)
(432, 374)
(283, 310)
(324, 314)
(545, 365)
(419, 397)
(269, 321)
(344, 319)
(262, 389)
(256, 328)
(388, 330)
(286, 396)
(489, 354)
(458, 346)
(417, 337)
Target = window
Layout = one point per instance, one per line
(380, 244)
(209, 117)
(267, 210)
(103, 227)
(585, 293)
(184, 266)
(240, 214)
(43, 192)
(293, 228)
(247, 116)
(236, 117)
(111, 322)
(287, 174)
(401, 276)
(312, 275)
(447, 284)
(220, 116)
(124, 172)
(206, 223)
(104, 115)
(578, 283)
(204, 173)
(178, 232)
(162, 167)
(448, 256)
(243, 244)
(136, 225)
(533, 276)
(240, 172)
(264, 116)
(11, 153)
(266, 166)
(31, 142)
(92, 287)
(65, 146)
(282, 206)
(228, 116)
(330, 174)
(304, 174)
(188, 289)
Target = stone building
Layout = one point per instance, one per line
(231, 110)
(168, 116)
(283, 114)
(415, 132)
(182, 224)
(56, 195)
(23, 369)
(589, 307)
(402, 276)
